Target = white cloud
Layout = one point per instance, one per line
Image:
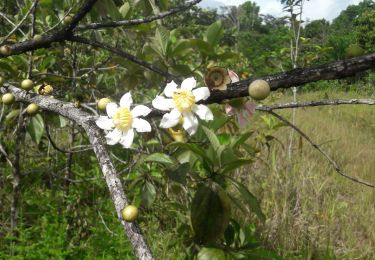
(314, 9)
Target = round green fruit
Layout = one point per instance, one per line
(5, 50)
(259, 89)
(68, 19)
(27, 84)
(8, 99)
(38, 38)
(130, 213)
(102, 103)
(32, 109)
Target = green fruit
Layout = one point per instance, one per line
(354, 50)
(5, 50)
(102, 103)
(27, 84)
(32, 109)
(8, 99)
(259, 89)
(68, 19)
(2, 80)
(38, 38)
(130, 213)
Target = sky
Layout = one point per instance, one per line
(314, 9)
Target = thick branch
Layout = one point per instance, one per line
(59, 36)
(297, 77)
(148, 19)
(85, 120)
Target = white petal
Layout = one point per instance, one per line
(111, 109)
(113, 137)
(188, 83)
(162, 103)
(170, 88)
(140, 110)
(201, 93)
(126, 100)
(190, 123)
(141, 125)
(105, 123)
(127, 138)
(170, 119)
(203, 112)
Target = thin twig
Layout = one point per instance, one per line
(323, 102)
(122, 54)
(148, 19)
(13, 24)
(317, 147)
(20, 23)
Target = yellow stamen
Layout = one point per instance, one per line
(184, 100)
(122, 119)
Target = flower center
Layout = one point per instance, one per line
(184, 100)
(122, 119)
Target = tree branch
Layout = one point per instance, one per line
(317, 147)
(323, 102)
(85, 120)
(20, 23)
(59, 36)
(148, 19)
(123, 54)
(300, 76)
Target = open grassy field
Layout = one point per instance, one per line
(312, 211)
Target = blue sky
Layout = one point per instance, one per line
(314, 9)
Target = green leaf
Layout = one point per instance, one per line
(198, 151)
(210, 212)
(236, 164)
(249, 198)
(214, 33)
(212, 138)
(237, 141)
(179, 174)
(107, 8)
(211, 253)
(181, 47)
(203, 46)
(12, 114)
(124, 9)
(148, 194)
(160, 158)
(36, 128)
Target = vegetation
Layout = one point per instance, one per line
(226, 190)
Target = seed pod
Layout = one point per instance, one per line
(130, 213)
(37, 38)
(8, 99)
(27, 84)
(32, 109)
(102, 103)
(5, 50)
(45, 89)
(259, 89)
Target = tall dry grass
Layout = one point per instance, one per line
(312, 211)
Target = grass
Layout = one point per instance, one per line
(312, 211)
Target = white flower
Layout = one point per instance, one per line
(181, 102)
(121, 121)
